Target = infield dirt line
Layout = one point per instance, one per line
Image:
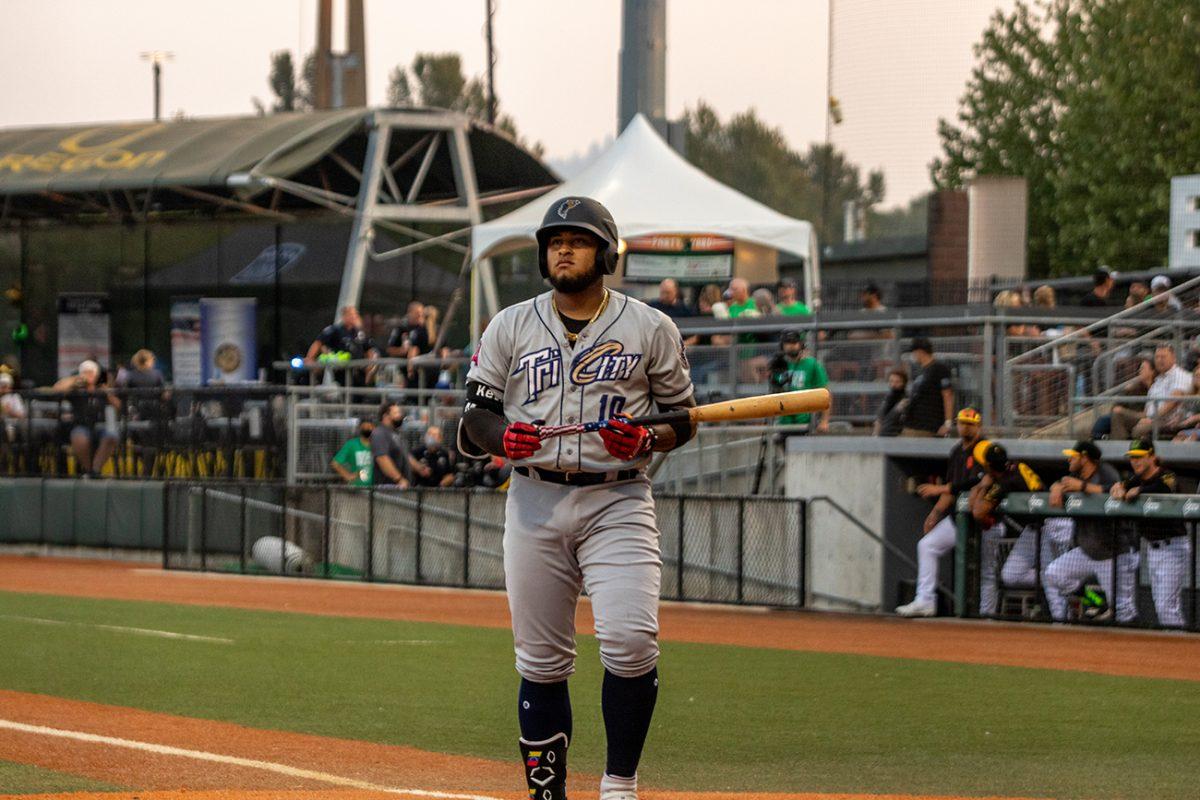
(190, 637)
(235, 761)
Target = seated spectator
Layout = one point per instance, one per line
(741, 306)
(709, 304)
(353, 463)
(92, 440)
(1009, 299)
(669, 301)
(488, 473)
(793, 369)
(12, 409)
(410, 339)
(789, 298)
(430, 463)
(889, 418)
(143, 378)
(1103, 282)
(1189, 425)
(1139, 385)
(1160, 412)
(345, 340)
(931, 394)
(1138, 292)
(872, 298)
(1163, 302)
(387, 448)
(764, 302)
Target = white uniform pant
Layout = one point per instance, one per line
(941, 540)
(1020, 568)
(1068, 571)
(1167, 560)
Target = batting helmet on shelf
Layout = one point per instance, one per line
(582, 213)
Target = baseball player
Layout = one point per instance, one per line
(579, 514)
(792, 369)
(1095, 550)
(1001, 477)
(1168, 552)
(962, 474)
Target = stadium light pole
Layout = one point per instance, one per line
(156, 59)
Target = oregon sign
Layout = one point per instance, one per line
(112, 147)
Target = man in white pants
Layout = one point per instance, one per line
(1096, 544)
(1168, 551)
(962, 474)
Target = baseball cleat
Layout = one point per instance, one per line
(918, 608)
(546, 767)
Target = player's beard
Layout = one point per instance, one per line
(573, 284)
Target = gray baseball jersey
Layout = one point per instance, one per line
(628, 360)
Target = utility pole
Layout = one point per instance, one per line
(156, 59)
(831, 106)
(491, 64)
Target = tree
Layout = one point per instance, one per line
(291, 94)
(755, 159)
(1088, 100)
(437, 80)
(911, 220)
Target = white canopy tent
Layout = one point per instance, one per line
(651, 189)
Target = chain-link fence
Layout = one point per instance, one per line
(719, 549)
(1095, 560)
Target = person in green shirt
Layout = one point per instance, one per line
(353, 463)
(793, 369)
(790, 303)
(741, 304)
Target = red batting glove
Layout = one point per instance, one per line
(624, 441)
(521, 440)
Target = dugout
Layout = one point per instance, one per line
(301, 211)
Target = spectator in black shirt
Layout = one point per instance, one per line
(430, 462)
(92, 440)
(147, 400)
(668, 300)
(387, 449)
(888, 421)
(346, 340)
(1168, 551)
(1102, 286)
(931, 395)
(410, 339)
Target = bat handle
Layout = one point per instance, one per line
(665, 418)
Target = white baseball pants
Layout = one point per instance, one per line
(941, 540)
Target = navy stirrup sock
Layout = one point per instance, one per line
(544, 709)
(628, 705)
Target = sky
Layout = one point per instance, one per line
(898, 64)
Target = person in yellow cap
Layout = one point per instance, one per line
(940, 533)
(1168, 551)
(1096, 547)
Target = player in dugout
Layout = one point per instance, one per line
(963, 472)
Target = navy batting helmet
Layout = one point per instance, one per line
(582, 213)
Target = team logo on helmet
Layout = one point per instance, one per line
(566, 206)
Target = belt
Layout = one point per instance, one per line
(577, 478)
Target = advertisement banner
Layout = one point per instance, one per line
(228, 342)
(689, 258)
(185, 342)
(83, 331)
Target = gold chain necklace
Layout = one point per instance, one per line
(573, 337)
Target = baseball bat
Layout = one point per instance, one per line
(757, 407)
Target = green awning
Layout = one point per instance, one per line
(192, 153)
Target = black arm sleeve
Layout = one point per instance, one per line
(483, 422)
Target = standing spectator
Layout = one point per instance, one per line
(872, 298)
(889, 419)
(1163, 302)
(1102, 286)
(387, 449)
(1168, 552)
(1094, 551)
(345, 340)
(740, 303)
(432, 316)
(793, 369)
(353, 463)
(931, 396)
(790, 303)
(12, 409)
(939, 533)
(410, 339)
(1138, 292)
(92, 440)
(430, 462)
(669, 301)
(764, 302)
(1170, 381)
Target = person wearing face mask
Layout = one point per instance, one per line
(353, 463)
(429, 462)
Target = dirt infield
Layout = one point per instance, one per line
(374, 771)
(1111, 652)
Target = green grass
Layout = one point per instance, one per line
(24, 779)
(728, 717)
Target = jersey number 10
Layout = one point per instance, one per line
(610, 406)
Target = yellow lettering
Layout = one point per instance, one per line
(75, 144)
(14, 162)
(47, 162)
(147, 158)
(77, 163)
(113, 159)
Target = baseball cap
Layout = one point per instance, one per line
(1101, 275)
(969, 415)
(6, 379)
(791, 335)
(922, 343)
(1084, 447)
(1160, 282)
(1139, 448)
